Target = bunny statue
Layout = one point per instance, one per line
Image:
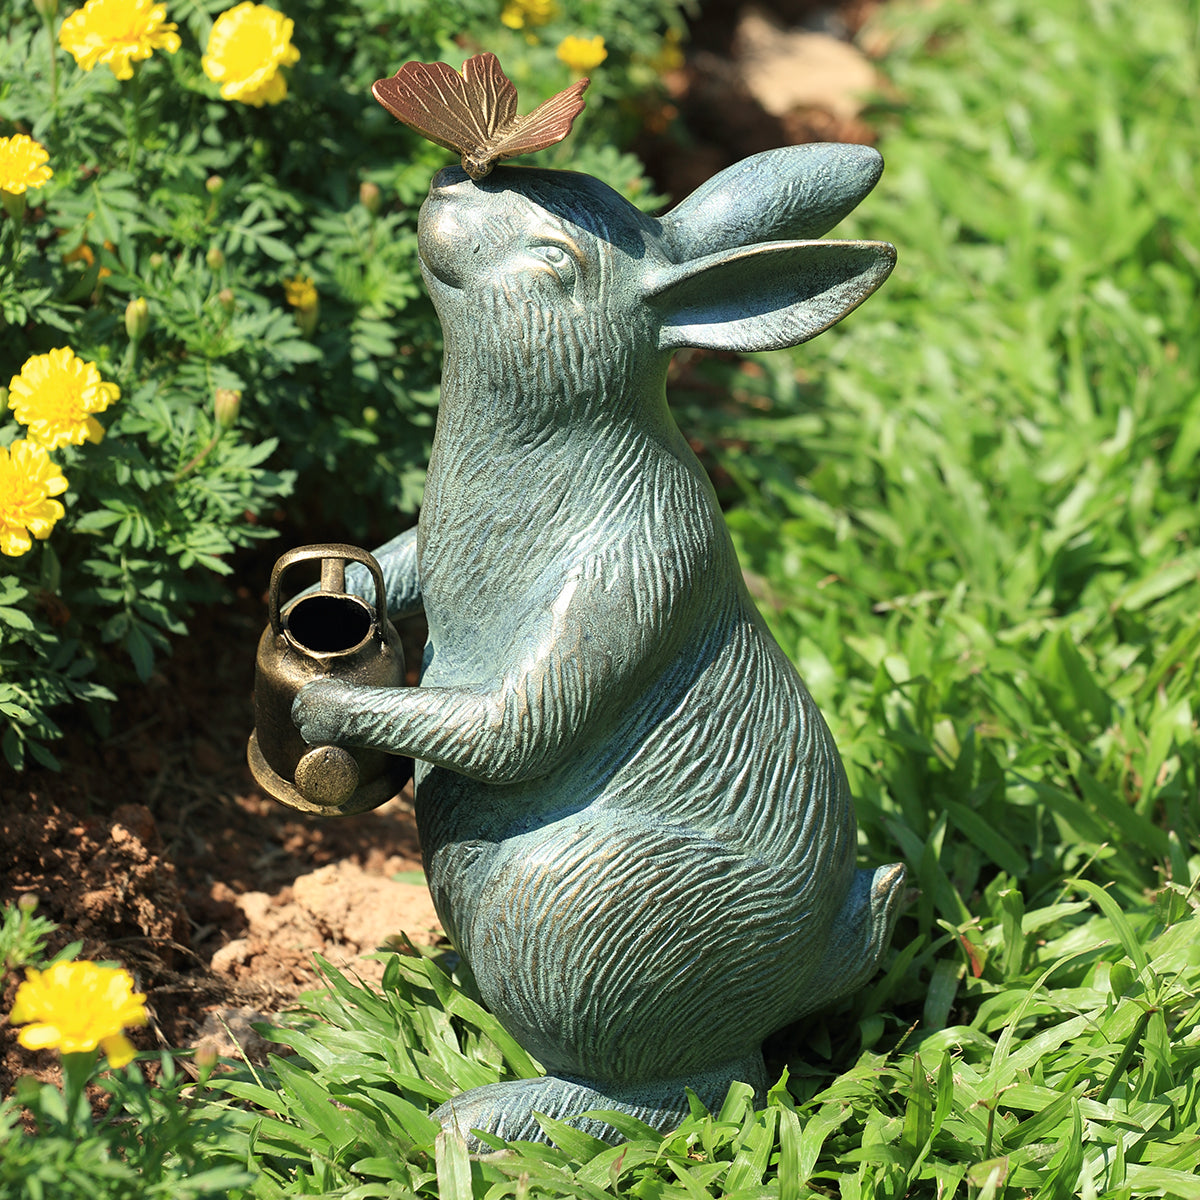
(635, 823)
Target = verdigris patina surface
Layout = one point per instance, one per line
(635, 823)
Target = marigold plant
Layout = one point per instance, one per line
(22, 164)
(247, 46)
(117, 33)
(582, 54)
(28, 480)
(73, 1007)
(57, 395)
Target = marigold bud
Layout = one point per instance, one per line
(157, 260)
(213, 184)
(226, 404)
(226, 299)
(48, 9)
(370, 416)
(215, 258)
(137, 319)
(27, 902)
(370, 196)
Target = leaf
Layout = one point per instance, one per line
(989, 839)
(141, 651)
(751, 1159)
(1159, 584)
(14, 618)
(1062, 1172)
(629, 1127)
(297, 351)
(792, 1177)
(1070, 687)
(817, 1129)
(1120, 923)
(739, 1101)
(453, 1167)
(576, 1144)
(311, 1103)
(943, 987)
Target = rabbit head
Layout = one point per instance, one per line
(732, 267)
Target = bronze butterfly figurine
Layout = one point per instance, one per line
(475, 112)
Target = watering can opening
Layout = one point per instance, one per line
(323, 624)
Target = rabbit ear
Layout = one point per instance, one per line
(764, 297)
(791, 193)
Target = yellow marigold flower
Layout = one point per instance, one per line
(300, 292)
(302, 296)
(582, 54)
(56, 395)
(27, 481)
(73, 1007)
(22, 164)
(118, 33)
(516, 14)
(247, 46)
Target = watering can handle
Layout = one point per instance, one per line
(334, 556)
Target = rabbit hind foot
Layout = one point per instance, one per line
(508, 1110)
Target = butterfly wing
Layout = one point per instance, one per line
(549, 123)
(459, 111)
(475, 113)
(490, 91)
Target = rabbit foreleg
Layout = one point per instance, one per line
(520, 729)
(398, 561)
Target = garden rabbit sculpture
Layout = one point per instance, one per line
(635, 824)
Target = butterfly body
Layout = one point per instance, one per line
(474, 113)
(478, 163)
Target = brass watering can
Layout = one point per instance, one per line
(324, 634)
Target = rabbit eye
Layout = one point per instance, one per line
(559, 260)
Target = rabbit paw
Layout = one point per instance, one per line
(321, 711)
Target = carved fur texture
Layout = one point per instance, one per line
(635, 822)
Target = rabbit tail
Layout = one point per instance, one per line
(862, 928)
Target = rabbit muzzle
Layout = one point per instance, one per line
(440, 232)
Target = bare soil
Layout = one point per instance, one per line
(155, 847)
